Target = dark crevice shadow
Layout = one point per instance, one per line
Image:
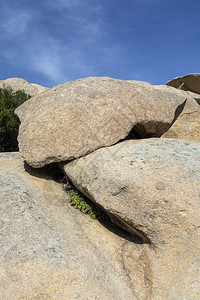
(109, 225)
(130, 229)
(139, 130)
(49, 172)
(178, 111)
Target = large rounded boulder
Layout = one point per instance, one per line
(78, 117)
(151, 187)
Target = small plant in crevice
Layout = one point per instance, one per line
(84, 205)
(180, 87)
(77, 200)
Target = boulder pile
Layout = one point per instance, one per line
(133, 149)
(150, 187)
(78, 117)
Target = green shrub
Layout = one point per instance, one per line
(77, 200)
(9, 122)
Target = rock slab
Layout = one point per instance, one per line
(78, 117)
(151, 187)
(49, 250)
(191, 82)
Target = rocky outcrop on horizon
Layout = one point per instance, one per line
(133, 149)
(189, 82)
(16, 84)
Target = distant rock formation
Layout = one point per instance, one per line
(20, 84)
(190, 82)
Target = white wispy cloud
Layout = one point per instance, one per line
(154, 2)
(58, 62)
(60, 4)
(13, 22)
(89, 5)
(16, 24)
(52, 57)
(87, 15)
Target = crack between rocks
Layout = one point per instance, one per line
(178, 111)
(129, 228)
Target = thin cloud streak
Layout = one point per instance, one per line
(49, 56)
(53, 41)
(13, 21)
(153, 2)
(16, 25)
(60, 63)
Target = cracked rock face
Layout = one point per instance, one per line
(191, 82)
(49, 250)
(78, 117)
(152, 187)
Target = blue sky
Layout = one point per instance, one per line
(53, 41)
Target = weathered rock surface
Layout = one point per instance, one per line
(21, 84)
(191, 82)
(151, 186)
(187, 125)
(194, 96)
(49, 250)
(76, 118)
